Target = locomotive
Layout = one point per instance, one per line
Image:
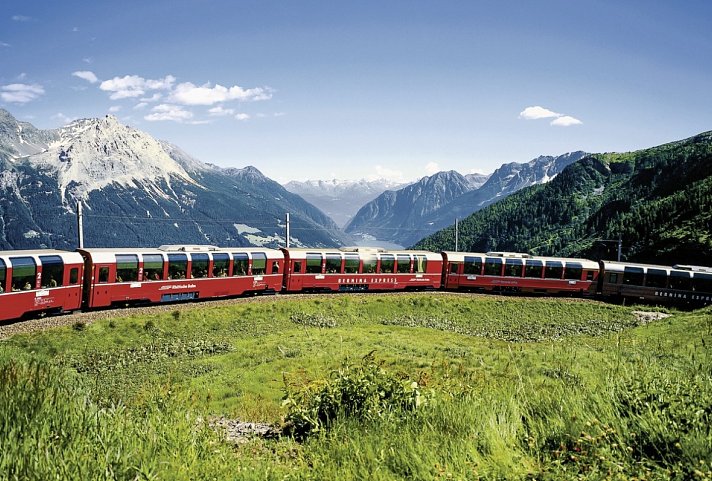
(44, 281)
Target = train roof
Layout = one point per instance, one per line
(460, 257)
(614, 266)
(107, 254)
(301, 252)
(66, 255)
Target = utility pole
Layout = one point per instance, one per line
(456, 235)
(80, 226)
(287, 227)
(620, 246)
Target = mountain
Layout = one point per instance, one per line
(400, 217)
(340, 199)
(658, 200)
(137, 191)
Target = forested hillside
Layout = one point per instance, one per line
(658, 200)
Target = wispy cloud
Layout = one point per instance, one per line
(537, 112)
(131, 86)
(432, 168)
(114, 108)
(20, 93)
(243, 116)
(174, 113)
(190, 94)
(565, 121)
(64, 119)
(3, 44)
(87, 75)
(21, 18)
(220, 111)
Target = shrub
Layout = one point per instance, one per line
(366, 392)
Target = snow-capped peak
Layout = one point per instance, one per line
(89, 154)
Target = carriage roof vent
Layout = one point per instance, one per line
(188, 248)
(693, 268)
(519, 255)
(362, 249)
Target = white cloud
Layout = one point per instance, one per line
(565, 121)
(140, 105)
(114, 108)
(22, 76)
(478, 171)
(20, 93)
(175, 113)
(87, 60)
(3, 44)
(190, 94)
(432, 168)
(220, 111)
(153, 98)
(242, 116)
(130, 86)
(63, 118)
(537, 112)
(386, 173)
(21, 18)
(86, 75)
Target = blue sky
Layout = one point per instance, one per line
(398, 89)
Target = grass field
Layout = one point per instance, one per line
(364, 387)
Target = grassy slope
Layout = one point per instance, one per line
(516, 387)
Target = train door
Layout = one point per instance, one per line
(296, 280)
(452, 277)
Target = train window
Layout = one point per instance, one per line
(103, 275)
(275, 267)
(513, 268)
(702, 282)
(297, 267)
(74, 275)
(388, 263)
(221, 263)
(454, 268)
(259, 263)
(574, 271)
(241, 265)
(333, 263)
(313, 264)
(199, 266)
(177, 266)
(613, 278)
(421, 264)
(351, 264)
(152, 267)
(493, 266)
(24, 271)
(473, 265)
(403, 264)
(369, 264)
(633, 276)
(553, 270)
(656, 278)
(590, 275)
(3, 273)
(52, 271)
(533, 268)
(126, 267)
(680, 280)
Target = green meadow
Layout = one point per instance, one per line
(378, 387)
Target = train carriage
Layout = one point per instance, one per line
(360, 269)
(516, 272)
(42, 281)
(176, 273)
(680, 284)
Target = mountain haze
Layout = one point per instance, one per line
(137, 191)
(340, 199)
(406, 216)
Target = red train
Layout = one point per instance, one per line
(50, 281)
